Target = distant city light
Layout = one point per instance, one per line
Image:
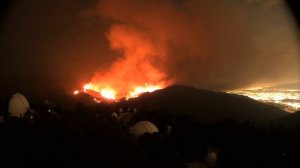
(286, 99)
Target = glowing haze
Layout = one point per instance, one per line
(135, 71)
(159, 43)
(120, 48)
(143, 53)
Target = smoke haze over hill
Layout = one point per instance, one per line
(207, 44)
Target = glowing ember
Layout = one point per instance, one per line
(96, 100)
(287, 99)
(76, 92)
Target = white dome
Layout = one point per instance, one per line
(18, 105)
(115, 115)
(211, 159)
(143, 127)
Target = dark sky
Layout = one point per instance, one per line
(55, 45)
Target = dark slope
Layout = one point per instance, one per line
(205, 105)
(291, 121)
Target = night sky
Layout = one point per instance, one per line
(49, 46)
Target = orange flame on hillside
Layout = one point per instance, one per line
(139, 70)
(111, 94)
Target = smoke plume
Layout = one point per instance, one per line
(121, 44)
(216, 45)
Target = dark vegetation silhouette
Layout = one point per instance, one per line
(89, 136)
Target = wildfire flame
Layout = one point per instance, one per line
(111, 94)
(140, 68)
(139, 90)
(108, 93)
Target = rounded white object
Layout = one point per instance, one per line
(18, 105)
(143, 127)
(211, 159)
(115, 115)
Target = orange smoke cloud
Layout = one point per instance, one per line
(135, 71)
(207, 44)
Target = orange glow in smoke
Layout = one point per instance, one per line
(140, 68)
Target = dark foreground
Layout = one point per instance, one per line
(88, 137)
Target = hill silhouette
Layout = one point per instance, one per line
(205, 105)
(291, 121)
(87, 135)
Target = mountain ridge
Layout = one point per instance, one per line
(205, 105)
